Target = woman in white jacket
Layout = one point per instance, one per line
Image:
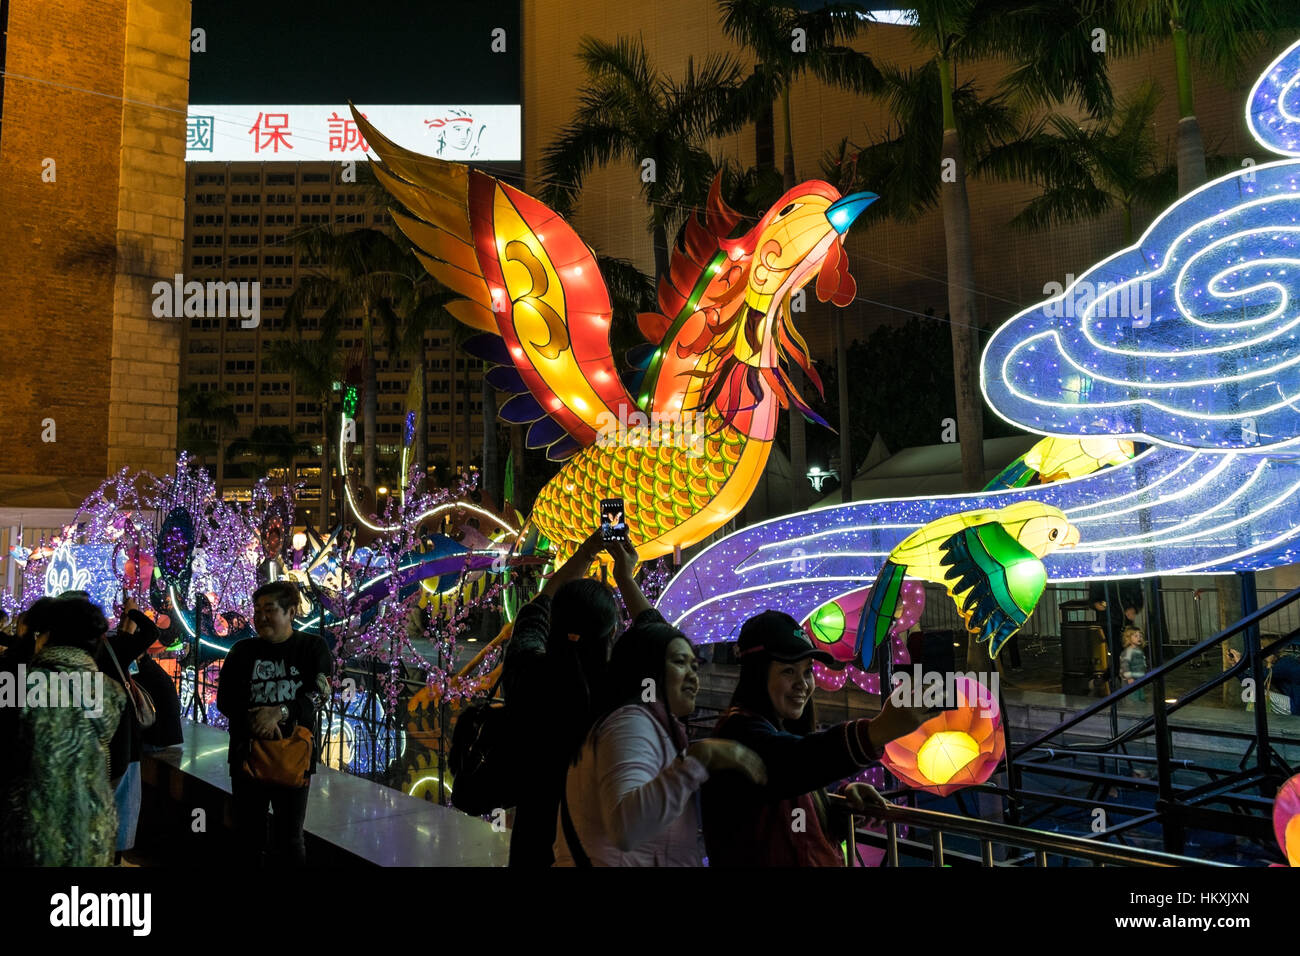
(631, 797)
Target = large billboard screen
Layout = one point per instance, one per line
(440, 78)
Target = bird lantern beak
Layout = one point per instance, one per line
(843, 212)
(1071, 537)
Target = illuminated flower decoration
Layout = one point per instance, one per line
(277, 520)
(410, 429)
(137, 567)
(175, 547)
(833, 625)
(1286, 819)
(959, 748)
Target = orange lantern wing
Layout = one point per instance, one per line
(527, 281)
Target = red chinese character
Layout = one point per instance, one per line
(344, 135)
(275, 130)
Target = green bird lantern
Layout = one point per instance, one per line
(990, 560)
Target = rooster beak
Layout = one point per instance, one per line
(843, 212)
(1071, 537)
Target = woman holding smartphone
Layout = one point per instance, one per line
(784, 822)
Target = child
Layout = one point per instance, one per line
(1133, 662)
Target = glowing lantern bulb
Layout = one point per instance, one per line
(945, 753)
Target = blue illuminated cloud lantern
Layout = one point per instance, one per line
(1273, 112)
(1188, 341)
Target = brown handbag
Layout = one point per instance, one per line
(145, 710)
(281, 763)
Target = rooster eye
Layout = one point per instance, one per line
(789, 207)
(1053, 533)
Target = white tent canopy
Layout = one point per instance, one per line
(926, 470)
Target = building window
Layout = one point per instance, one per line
(281, 179)
(246, 179)
(210, 179)
(245, 199)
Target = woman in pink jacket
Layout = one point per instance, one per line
(630, 799)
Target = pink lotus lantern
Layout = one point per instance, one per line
(1286, 819)
(959, 748)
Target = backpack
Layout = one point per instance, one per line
(482, 759)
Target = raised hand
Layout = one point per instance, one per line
(718, 755)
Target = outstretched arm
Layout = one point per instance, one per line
(576, 567)
(625, 562)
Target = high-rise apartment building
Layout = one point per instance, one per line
(240, 218)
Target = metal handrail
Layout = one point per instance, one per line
(1159, 673)
(1041, 843)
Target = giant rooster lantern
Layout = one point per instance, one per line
(717, 355)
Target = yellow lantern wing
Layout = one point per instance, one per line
(1059, 457)
(527, 281)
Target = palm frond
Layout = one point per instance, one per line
(763, 26)
(1063, 205)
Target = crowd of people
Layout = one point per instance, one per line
(615, 780)
(596, 718)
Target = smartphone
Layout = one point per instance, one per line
(613, 522)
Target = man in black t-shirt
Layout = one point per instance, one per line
(269, 685)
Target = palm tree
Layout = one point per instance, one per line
(1222, 34)
(1048, 45)
(316, 365)
(417, 309)
(767, 28)
(1089, 171)
(359, 270)
(267, 447)
(206, 416)
(632, 112)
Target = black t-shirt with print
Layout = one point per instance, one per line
(258, 673)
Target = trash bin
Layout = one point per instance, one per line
(1085, 655)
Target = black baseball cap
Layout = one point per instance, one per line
(777, 636)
